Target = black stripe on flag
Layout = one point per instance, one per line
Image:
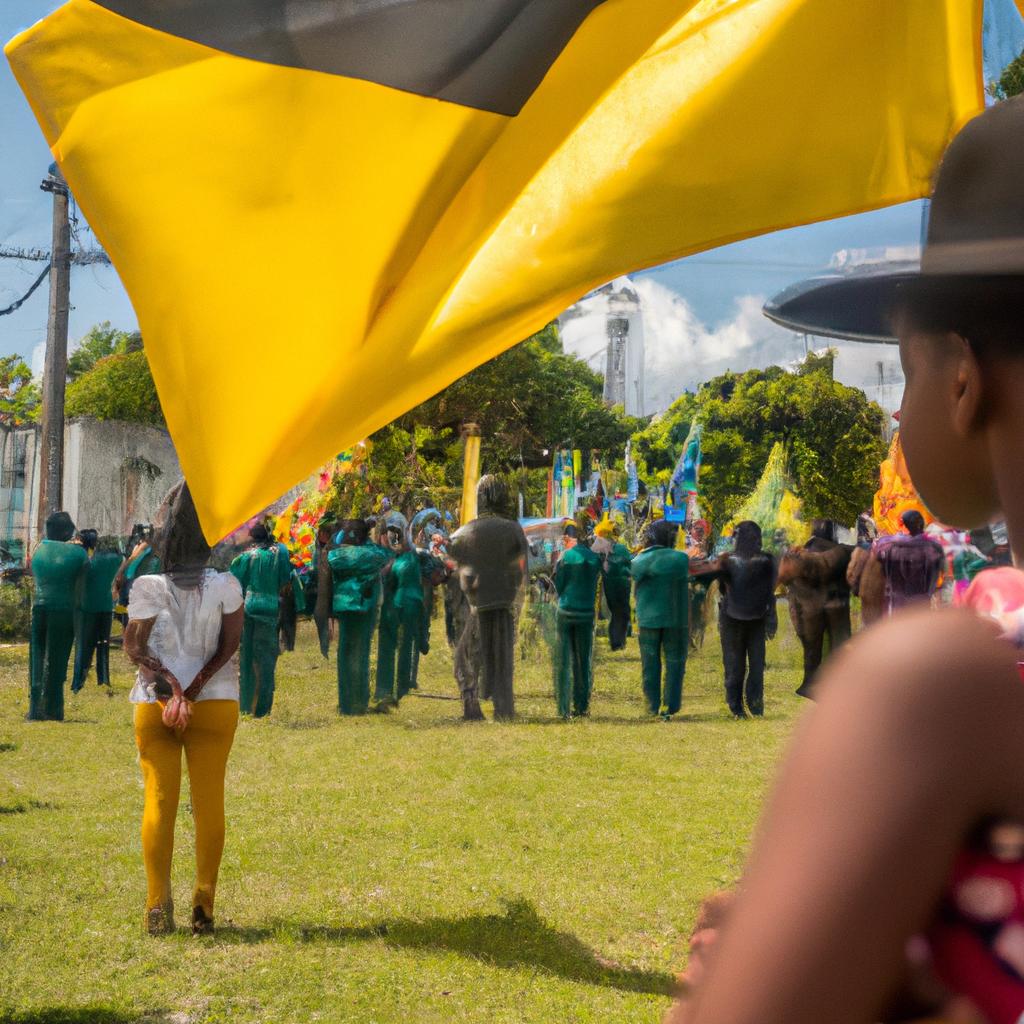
(488, 54)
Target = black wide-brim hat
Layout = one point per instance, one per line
(975, 230)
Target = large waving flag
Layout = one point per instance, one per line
(324, 211)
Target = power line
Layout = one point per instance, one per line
(80, 257)
(35, 284)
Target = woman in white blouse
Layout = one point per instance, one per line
(184, 626)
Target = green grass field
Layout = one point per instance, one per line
(386, 868)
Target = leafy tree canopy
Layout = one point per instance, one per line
(117, 387)
(832, 433)
(101, 341)
(19, 394)
(527, 401)
(1011, 81)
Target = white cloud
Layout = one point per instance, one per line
(681, 351)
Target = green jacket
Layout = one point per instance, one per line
(262, 573)
(576, 578)
(95, 594)
(405, 582)
(58, 568)
(355, 575)
(662, 595)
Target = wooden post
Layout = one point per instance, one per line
(51, 477)
(470, 472)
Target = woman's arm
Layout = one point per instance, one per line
(917, 738)
(230, 635)
(136, 646)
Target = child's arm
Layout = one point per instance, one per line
(918, 736)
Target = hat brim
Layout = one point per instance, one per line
(850, 305)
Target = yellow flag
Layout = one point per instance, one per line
(392, 194)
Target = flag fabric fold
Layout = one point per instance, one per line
(397, 192)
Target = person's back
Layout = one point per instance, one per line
(912, 567)
(576, 577)
(491, 555)
(748, 582)
(96, 595)
(661, 576)
(57, 567)
(617, 570)
(262, 571)
(407, 580)
(355, 570)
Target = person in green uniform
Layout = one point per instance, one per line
(141, 560)
(58, 568)
(617, 581)
(401, 620)
(576, 578)
(262, 570)
(94, 610)
(356, 566)
(661, 577)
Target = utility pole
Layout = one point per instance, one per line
(51, 477)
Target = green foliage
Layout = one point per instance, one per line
(1011, 81)
(531, 399)
(118, 387)
(19, 394)
(832, 433)
(101, 341)
(15, 610)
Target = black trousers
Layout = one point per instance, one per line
(618, 624)
(743, 642)
(813, 623)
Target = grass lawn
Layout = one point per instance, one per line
(405, 867)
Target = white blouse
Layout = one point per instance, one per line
(187, 630)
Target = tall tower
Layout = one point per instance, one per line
(624, 363)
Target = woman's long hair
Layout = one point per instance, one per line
(178, 538)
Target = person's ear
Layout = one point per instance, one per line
(968, 388)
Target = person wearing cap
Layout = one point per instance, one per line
(576, 579)
(58, 568)
(892, 848)
(661, 577)
(617, 580)
(356, 566)
(262, 570)
(94, 610)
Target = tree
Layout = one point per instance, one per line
(832, 433)
(101, 341)
(1011, 81)
(19, 394)
(527, 402)
(117, 387)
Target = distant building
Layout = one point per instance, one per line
(115, 475)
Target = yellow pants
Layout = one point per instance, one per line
(207, 743)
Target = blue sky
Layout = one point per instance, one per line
(712, 284)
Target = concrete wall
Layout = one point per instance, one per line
(115, 475)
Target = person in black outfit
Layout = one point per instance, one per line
(746, 616)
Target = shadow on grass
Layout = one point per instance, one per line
(517, 938)
(82, 1015)
(24, 806)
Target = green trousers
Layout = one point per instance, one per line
(574, 676)
(663, 689)
(399, 636)
(355, 635)
(257, 662)
(53, 634)
(92, 637)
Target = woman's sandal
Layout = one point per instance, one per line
(201, 923)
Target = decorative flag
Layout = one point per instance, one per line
(632, 477)
(683, 485)
(405, 189)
